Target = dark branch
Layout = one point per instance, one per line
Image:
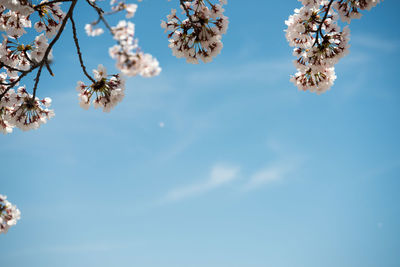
(100, 12)
(319, 30)
(44, 60)
(46, 54)
(79, 50)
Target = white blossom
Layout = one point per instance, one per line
(27, 112)
(199, 36)
(90, 31)
(40, 48)
(130, 10)
(9, 214)
(104, 93)
(131, 61)
(50, 19)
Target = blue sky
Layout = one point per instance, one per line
(246, 172)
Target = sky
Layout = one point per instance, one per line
(225, 164)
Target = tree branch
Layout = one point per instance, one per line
(319, 30)
(44, 60)
(46, 54)
(79, 50)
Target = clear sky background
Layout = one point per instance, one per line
(246, 172)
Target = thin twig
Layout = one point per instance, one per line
(79, 50)
(100, 12)
(49, 69)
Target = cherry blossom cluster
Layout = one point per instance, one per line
(20, 109)
(198, 37)
(17, 18)
(50, 16)
(131, 61)
(105, 92)
(122, 5)
(14, 17)
(319, 41)
(17, 56)
(9, 214)
(349, 9)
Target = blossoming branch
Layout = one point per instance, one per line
(319, 41)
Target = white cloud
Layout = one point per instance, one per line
(274, 172)
(78, 248)
(220, 175)
(375, 42)
(263, 71)
(81, 248)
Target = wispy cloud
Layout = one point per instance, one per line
(276, 171)
(77, 248)
(375, 42)
(265, 71)
(220, 175)
(81, 248)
